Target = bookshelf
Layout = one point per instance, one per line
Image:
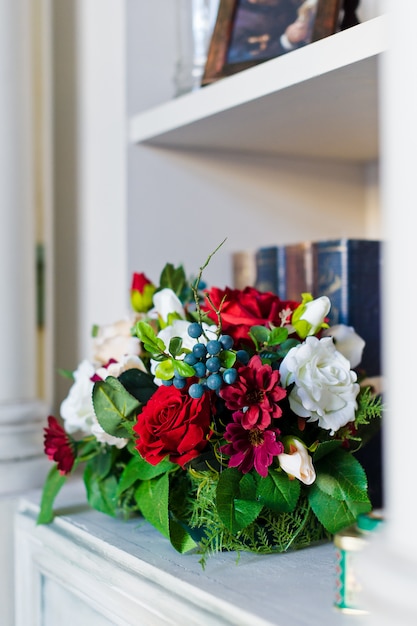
(258, 111)
(292, 143)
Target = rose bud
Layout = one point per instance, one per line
(309, 317)
(141, 293)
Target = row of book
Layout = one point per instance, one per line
(348, 271)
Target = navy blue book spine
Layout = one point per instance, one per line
(268, 271)
(349, 273)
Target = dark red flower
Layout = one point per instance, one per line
(252, 448)
(242, 309)
(256, 392)
(58, 446)
(173, 424)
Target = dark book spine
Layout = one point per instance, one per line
(349, 273)
(267, 269)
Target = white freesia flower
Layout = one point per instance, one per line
(77, 408)
(298, 462)
(166, 302)
(315, 313)
(114, 341)
(347, 341)
(325, 388)
(179, 328)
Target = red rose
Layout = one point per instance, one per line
(172, 423)
(242, 309)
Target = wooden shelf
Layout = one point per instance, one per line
(319, 101)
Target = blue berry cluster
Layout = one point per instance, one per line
(208, 364)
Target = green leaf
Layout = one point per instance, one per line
(139, 384)
(184, 369)
(66, 374)
(236, 500)
(113, 405)
(101, 494)
(335, 514)
(324, 448)
(342, 477)
(286, 346)
(165, 370)
(259, 334)
(146, 334)
(173, 278)
(102, 463)
(138, 469)
(278, 492)
(179, 537)
(152, 499)
(52, 485)
(277, 336)
(339, 493)
(175, 346)
(227, 358)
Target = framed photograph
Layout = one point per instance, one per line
(248, 32)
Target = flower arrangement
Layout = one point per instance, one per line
(229, 419)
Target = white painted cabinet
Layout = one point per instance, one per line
(91, 570)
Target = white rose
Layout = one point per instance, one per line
(166, 302)
(128, 362)
(179, 328)
(77, 408)
(315, 313)
(325, 387)
(113, 341)
(349, 343)
(298, 463)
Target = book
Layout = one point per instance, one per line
(300, 270)
(348, 271)
(270, 268)
(243, 269)
(286, 270)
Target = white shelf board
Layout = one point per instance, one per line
(318, 101)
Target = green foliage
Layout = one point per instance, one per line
(236, 501)
(52, 485)
(277, 492)
(339, 492)
(139, 384)
(101, 490)
(150, 341)
(152, 499)
(173, 278)
(137, 470)
(270, 531)
(114, 406)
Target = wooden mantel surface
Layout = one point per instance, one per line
(130, 563)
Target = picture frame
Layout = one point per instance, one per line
(249, 32)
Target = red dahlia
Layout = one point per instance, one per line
(58, 446)
(256, 392)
